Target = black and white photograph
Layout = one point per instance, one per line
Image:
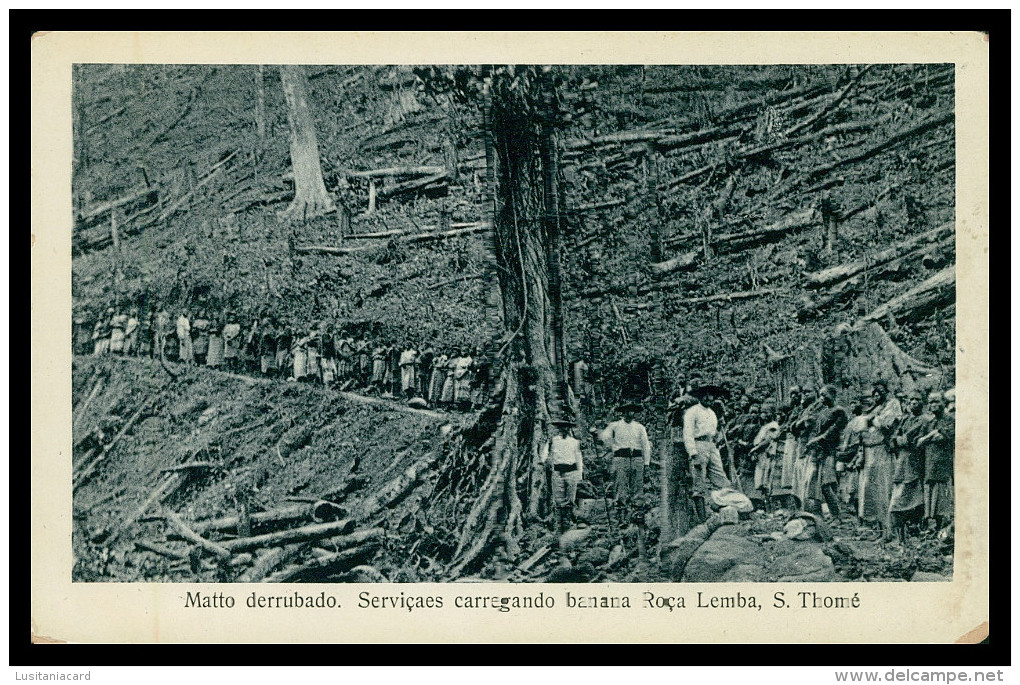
(373, 338)
(519, 323)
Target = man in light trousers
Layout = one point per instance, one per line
(632, 452)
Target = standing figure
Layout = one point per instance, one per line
(579, 382)
(101, 334)
(313, 350)
(786, 488)
(447, 394)
(131, 333)
(907, 497)
(481, 377)
(462, 380)
(830, 221)
(875, 484)
(939, 445)
(164, 331)
(299, 354)
(700, 430)
(267, 349)
(766, 451)
(283, 343)
(407, 362)
(822, 447)
(851, 452)
(379, 367)
(118, 324)
(392, 380)
(628, 442)
(348, 369)
(186, 352)
(424, 378)
(363, 360)
(562, 456)
(802, 428)
(250, 353)
(437, 378)
(231, 341)
(200, 337)
(214, 357)
(328, 349)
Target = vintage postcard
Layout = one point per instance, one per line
(480, 337)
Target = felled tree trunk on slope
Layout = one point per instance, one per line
(310, 197)
(525, 245)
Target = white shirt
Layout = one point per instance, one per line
(408, 357)
(621, 435)
(562, 450)
(699, 422)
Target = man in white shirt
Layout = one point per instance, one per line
(700, 429)
(632, 452)
(562, 456)
(408, 360)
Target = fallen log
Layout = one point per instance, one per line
(410, 240)
(160, 550)
(410, 186)
(265, 563)
(782, 144)
(396, 488)
(169, 484)
(193, 465)
(398, 232)
(927, 294)
(104, 207)
(596, 206)
(924, 126)
(329, 561)
(841, 272)
(833, 104)
(668, 143)
(614, 138)
(214, 170)
(80, 409)
(191, 536)
(794, 222)
(86, 471)
(108, 117)
(280, 516)
(328, 249)
(681, 261)
(727, 297)
(304, 534)
(398, 171)
(810, 306)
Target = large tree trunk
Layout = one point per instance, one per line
(310, 197)
(522, 165)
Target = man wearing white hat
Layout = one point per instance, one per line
(562, 456)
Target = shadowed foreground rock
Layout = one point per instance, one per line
(727, 556)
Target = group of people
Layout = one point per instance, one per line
(887, 461)
(458, 378)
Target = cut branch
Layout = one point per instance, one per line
(841, 272)
(436, 180)
(281, 516)
(928, 294)
(193, 537)
(87, 470)
(304, 534)
(398, 171)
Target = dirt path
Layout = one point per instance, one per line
(254, 380)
